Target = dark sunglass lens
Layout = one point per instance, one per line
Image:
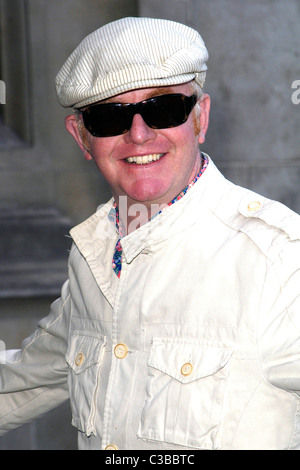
(107, 120)
(167, 110)
(161, 112)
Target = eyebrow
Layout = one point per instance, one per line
(151, 94)
(160, 91)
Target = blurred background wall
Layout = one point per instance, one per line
(46, 186)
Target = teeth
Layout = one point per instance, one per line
(142, 160)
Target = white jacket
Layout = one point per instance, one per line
(196, 346)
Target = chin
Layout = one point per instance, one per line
(147, 192)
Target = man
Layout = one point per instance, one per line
(179, 325)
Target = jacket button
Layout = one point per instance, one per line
(186, 369)
(79, 359)
(254, 206)
(120, 351)
(111, 447)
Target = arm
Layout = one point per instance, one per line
(33, 380)
(280, 321)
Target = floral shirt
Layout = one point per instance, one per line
(115, 217)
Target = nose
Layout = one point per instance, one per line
(139, 132)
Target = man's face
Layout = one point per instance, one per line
(175, 151)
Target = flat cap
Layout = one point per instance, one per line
(131, 53)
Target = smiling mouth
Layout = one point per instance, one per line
(144, 159)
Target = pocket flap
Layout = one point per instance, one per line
(84, 351)
(187, 360)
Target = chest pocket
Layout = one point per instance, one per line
(185, 393)
(84, 357)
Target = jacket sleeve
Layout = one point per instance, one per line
(279, 323)
(33, 380)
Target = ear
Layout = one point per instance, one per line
(75, 127)
(204, 117)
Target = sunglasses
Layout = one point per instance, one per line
(160, 112)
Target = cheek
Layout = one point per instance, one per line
(102, 155)
(187, 142)
(99, 150)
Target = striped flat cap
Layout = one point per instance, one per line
(131, 53)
